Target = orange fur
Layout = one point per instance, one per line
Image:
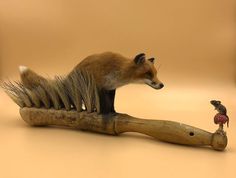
(109, 70)
(112, 70)
(30, 79)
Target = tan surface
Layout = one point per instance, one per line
(54, 152)
(193, 40)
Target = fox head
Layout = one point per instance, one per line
(145, 72)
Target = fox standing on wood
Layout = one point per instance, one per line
(110, 71)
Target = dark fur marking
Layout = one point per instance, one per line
(151, 59)
(107, 101)
(140, 58)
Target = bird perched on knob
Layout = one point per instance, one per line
(221, 117)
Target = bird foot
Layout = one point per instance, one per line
(220, 131)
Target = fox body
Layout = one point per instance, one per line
(110, 71)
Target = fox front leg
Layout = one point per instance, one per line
(107, 101)
(112, 94)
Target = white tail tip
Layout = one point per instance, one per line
(23, 69)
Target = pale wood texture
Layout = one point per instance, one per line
(115, 124)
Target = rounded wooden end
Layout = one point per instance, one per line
(219, 141)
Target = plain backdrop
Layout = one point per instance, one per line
(194, 43)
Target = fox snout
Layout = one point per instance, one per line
(154, 84)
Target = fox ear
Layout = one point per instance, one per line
(140, 58)
(151, 59)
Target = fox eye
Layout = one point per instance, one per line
(149, 74)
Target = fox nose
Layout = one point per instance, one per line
(161, 85)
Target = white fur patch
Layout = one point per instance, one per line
(23, 69)
(155, 85)
(113, 81)
(147, 81)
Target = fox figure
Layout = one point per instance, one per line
(110, 71)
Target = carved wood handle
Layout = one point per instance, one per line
(114, 124)
(173, 132)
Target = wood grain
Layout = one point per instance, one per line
(115, 124)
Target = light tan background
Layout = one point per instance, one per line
(193, 40)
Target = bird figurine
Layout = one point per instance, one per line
(221, 117)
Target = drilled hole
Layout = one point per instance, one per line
(191, 133)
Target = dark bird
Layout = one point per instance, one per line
(221, 117)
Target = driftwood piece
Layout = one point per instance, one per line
(115, 124)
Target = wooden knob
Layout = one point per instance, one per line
(219, 141)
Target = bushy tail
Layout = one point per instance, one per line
(68, 93)
(30, 79)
